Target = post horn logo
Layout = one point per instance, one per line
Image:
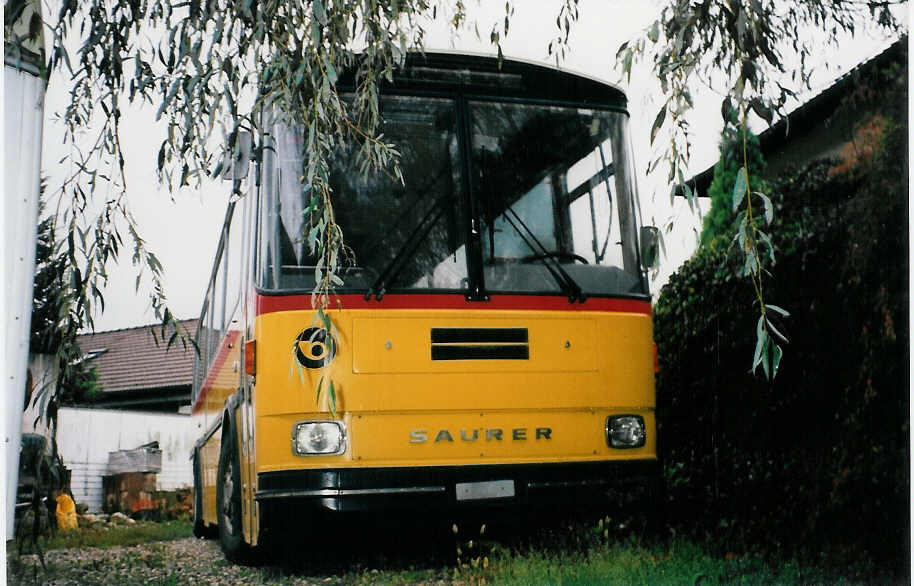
(314, 348)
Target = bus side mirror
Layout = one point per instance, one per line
(650, 246)
(237, 162)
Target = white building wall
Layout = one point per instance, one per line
(86, 436)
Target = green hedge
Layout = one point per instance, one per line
(820, 455)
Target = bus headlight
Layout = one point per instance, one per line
(318, 438)
(625, 431)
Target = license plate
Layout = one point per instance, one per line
(492, 489)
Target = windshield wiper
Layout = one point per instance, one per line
(561, 276)
(395, 267)
(379, 288)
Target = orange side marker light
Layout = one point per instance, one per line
(250, 357)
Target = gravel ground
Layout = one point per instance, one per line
(184, 561)
(417, 552)
(199, 561)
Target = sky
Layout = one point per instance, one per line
(183, 229)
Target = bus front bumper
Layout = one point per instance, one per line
(442, 487)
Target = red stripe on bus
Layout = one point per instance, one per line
(227, 344)
(273, 303)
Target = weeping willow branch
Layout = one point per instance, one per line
(748, 52)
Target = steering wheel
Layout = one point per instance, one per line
(557, 254)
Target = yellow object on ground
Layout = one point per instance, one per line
(66, 513)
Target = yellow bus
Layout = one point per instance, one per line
(492, 341)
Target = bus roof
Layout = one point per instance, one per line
(483, 75)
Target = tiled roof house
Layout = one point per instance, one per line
(136, 373)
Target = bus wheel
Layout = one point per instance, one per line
(228, 498)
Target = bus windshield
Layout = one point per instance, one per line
(543, 194)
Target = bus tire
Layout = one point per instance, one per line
(228, 498)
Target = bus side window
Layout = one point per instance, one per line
(217, 316)
(233, 262)
(200, 362)
(204, 336)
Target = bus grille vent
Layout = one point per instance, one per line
(480, 344)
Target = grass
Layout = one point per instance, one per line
(581, 554)
(627, 563)
(142, 532)
(622, 563)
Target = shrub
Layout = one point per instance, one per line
(719, 219)
(820, 455)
